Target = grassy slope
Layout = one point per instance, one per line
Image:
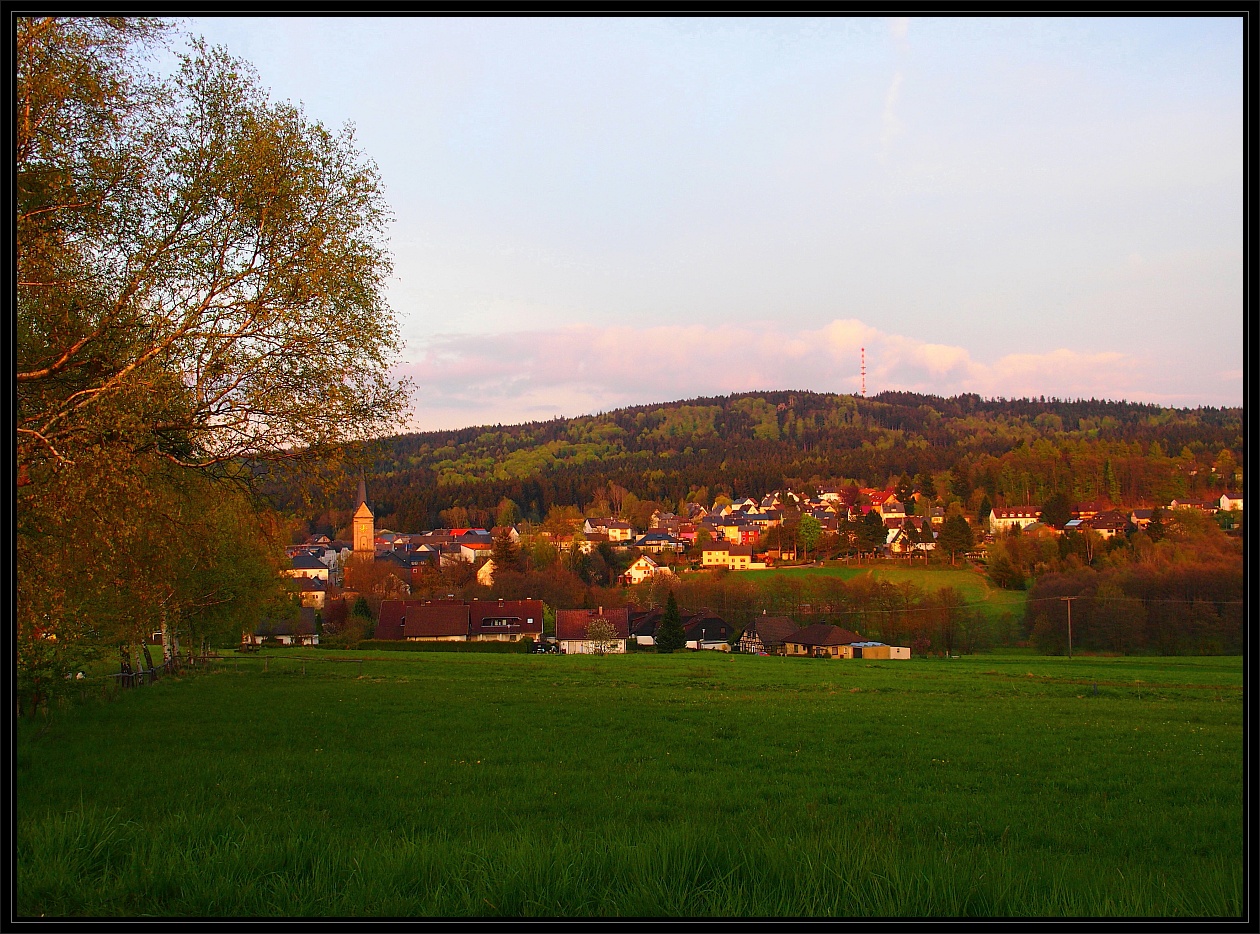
(973, 586)
(642, 784)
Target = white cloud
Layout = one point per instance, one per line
(899, 26)
(534, 375)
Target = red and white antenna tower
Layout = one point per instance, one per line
(863, 372)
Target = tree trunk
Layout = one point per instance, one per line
(124, 662)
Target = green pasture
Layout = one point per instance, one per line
(694, 784)
(974, 587)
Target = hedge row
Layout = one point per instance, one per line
(398, 645)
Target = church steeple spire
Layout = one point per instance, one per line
(363, 525)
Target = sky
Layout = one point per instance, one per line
(593, 213)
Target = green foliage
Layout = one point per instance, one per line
(669, 634)
(505, 553)
(871, 532)
(810, 530)
(361, 608)
(1056, 510)
(957, 448)
(206, 212)
(955, 536)
(195, 264)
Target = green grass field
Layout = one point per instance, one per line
(684, 785)
(974, 587)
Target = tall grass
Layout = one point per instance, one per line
(494, 785)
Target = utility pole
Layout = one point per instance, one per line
(1068, 601)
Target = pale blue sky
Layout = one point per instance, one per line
(595, 213)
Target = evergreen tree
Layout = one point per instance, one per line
(505, 553)
(871, 532)
(1056, 511)
(955, 536)
(984, 509)
(670, 635)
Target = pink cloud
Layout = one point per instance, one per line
(535, 375)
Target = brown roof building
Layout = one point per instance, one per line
(455, 620)
(571, 624)
(821, 641)
(505, 619)
(766, 634)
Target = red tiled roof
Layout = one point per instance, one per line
(390, 623)
(435, 619)
(571, 624)
(523, 615)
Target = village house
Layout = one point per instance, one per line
(616, 530)
(302, 631)
(820, 641)
(765, 634)
(1109, 524)
(571, 626)
(307, 566)
(644, 568)
(1004, 518)
(475, 551)
(738, 531)
(1090, 509)
(485, 574)
(707, 632)
(890, 508)
(311, 592)
(460, 621)
(723, 555)
(643, 625)
(1231, 501)
(659, 542)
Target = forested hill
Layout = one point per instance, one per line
(1019, 450)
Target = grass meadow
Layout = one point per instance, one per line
(695, 784)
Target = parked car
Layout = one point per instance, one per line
(545, 648)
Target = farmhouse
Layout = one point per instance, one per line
(643, 625)
(302, 631)
(707, 632)
(457, 621)
(820, 641)
(571, 629)
(766, 634)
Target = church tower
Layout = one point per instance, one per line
(364, 527)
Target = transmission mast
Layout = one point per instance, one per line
(863, 372)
